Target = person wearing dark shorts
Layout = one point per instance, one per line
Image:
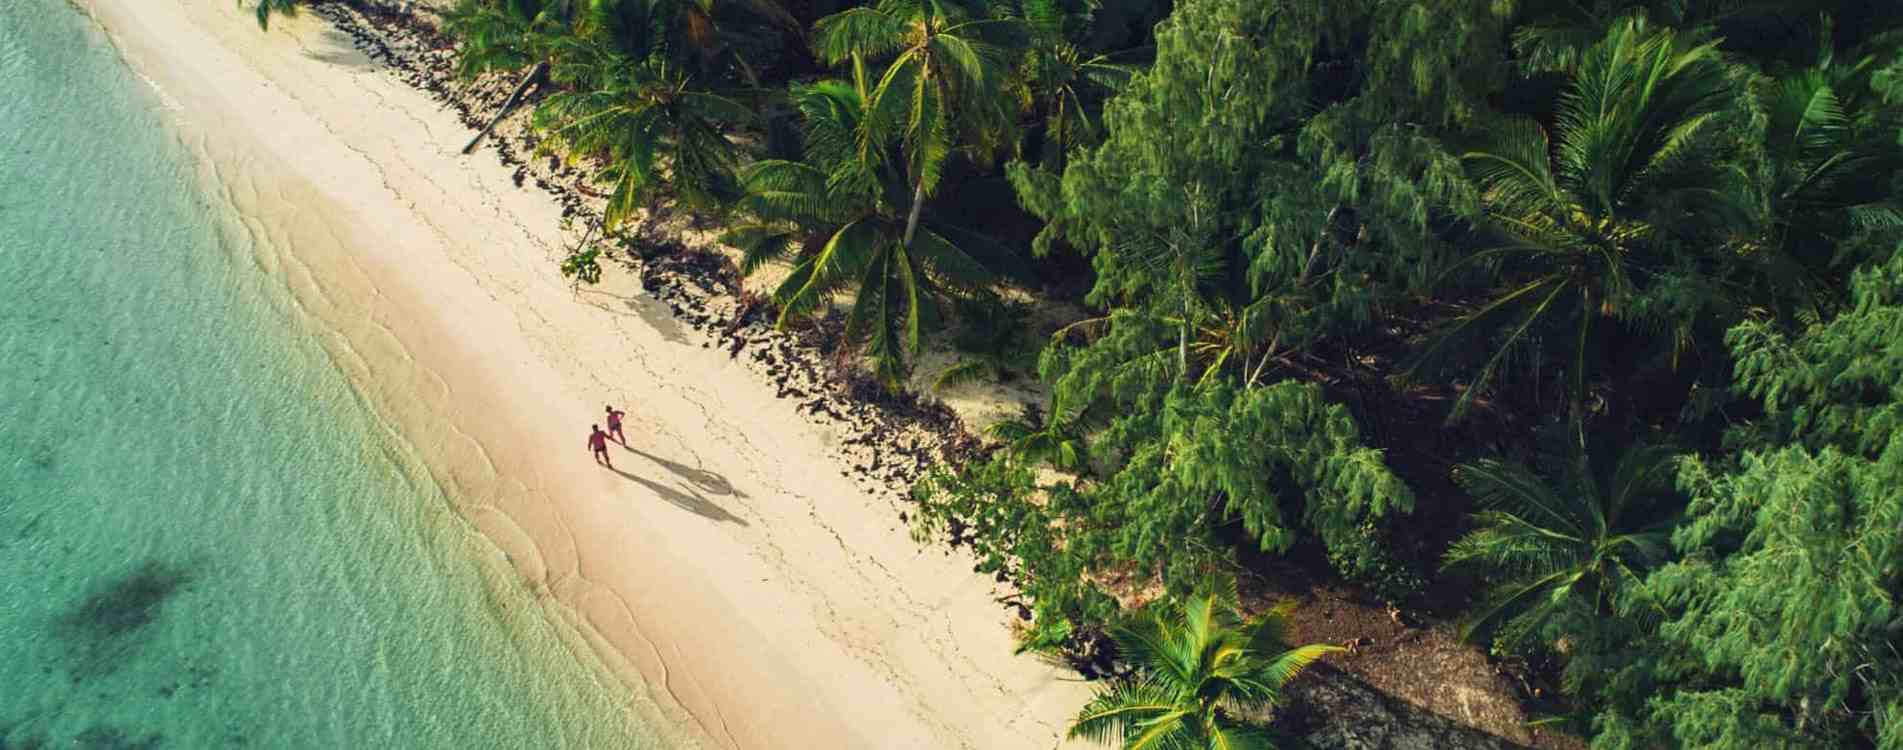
(598, 443)
(614, 425)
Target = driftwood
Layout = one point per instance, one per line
(529, 78)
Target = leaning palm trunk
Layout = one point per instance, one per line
(1182, 342)
(911, 220)
(534, 74)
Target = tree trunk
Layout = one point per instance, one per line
(1577, 388)
(534, 74)
(911, 221)
(1301, 281)
(1182, 336)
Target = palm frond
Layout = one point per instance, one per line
(1269, 633)
(266, 8)
(1126, 706)
(949, 261)
(759, 245)
(846, 254)
(1517, 491)
(1641, 470)
(999, 260)
(966, 370)
(1516, 599)
(911, 285)
(1285, 666)
(1226, 734)
(1515, 170)
(863, 31)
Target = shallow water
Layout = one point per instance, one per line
(206, 539)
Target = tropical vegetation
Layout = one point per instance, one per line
(1203, 674)
(1593, 308)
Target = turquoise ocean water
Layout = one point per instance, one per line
(205, 539)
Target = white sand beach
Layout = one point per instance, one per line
(728, 566)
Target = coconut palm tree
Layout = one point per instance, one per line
(1829, 154)
(1055, 438)
(1201, 668)
(506, 34)
(648, 122)
(708, 38)
(1561, 549)
(1060, 83)
(843, 214)
(681, 38)
(942, 88)
(1615, 200)
(991, 342)
(501, 35)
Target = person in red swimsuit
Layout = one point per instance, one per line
(598, 443)
(614, 425)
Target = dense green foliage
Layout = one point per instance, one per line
(1560, 552)
(1203, 671)
(1600, 301)
(1781, 621)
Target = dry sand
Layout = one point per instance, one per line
(763, 599)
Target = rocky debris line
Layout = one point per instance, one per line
(1332, 710)
(889, 441)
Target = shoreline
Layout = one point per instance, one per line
(733, 567)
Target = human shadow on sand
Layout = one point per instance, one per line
(707, 481)
(688, 501)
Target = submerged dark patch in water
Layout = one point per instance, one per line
(95, 738)
(23, 742)
(114, 738)
(43, 456)
(130, 603)
(102, 629)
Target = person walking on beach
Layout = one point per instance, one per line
(598, 443)
(614, 425)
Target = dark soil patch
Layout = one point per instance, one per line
(1418, 663)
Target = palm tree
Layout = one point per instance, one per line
(1061, 84)
(1829, 153)
(673, 35)
(499, 35)
(706, 37)
(1561, 549)
(943, 86)
(632, 114)
(505, 34)
(1625, 187)
(990, 341)
(1201, 668)
(843, 214)
(1055, 438)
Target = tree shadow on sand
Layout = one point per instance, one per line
(655, 313)
(688, 500)
(707, 481)
(338, 48)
